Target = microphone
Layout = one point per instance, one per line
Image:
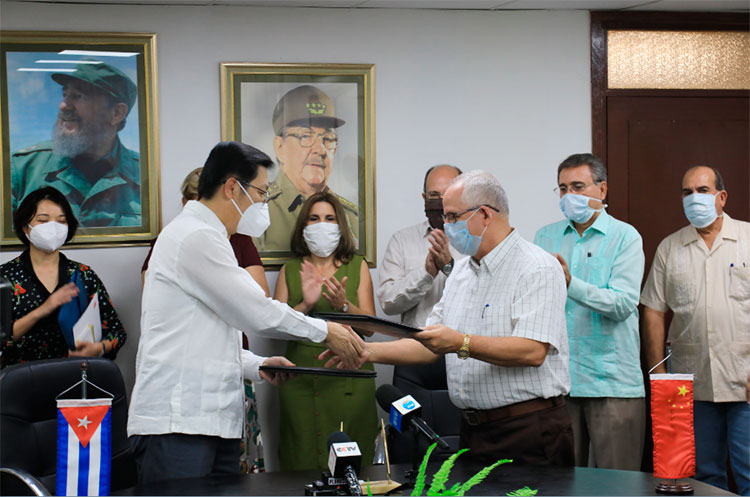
(344, 460)
(404, 413)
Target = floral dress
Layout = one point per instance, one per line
(45, 339)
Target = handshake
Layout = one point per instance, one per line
(346, 349)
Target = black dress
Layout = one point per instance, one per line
(45, 339)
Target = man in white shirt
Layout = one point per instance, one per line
(186, 411)
(501, 326)
(702, 274)
(419, 258)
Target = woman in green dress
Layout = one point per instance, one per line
(326, 276)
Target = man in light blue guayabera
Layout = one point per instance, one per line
(603, 263)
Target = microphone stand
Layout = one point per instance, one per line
(411, 475)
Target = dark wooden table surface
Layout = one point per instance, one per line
(505, 478)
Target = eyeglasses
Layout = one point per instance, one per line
(433, 196)
(308, 139)
(574, 187)
(452, 217)
(265, 193)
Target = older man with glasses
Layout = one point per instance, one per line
(304, 122)
(501, 326)
(603, 260)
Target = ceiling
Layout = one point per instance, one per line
(626, 5)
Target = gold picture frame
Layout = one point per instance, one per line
(110, 171)
(340, 96)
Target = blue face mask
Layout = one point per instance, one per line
(461, 239)
(576, 207)
(700, 209)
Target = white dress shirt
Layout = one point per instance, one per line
(190, 363)
(516, 290)
(406, 287)
(709, 293)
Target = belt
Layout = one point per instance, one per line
(476, 417)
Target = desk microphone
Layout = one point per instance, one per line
(344, 460)
(404, 412)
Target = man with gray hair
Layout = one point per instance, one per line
(500, 325)
(602, 259)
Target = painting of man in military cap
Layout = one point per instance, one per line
(317, 122)
(79, 114)
(305, 143)
(85, 158)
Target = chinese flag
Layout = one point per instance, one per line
(672, 420)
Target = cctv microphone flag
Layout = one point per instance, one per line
(344, 461)
(343, 452)
(84, 446)
(672, 425)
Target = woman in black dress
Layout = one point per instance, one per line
(41, 280)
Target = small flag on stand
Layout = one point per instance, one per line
(672, 421)
(84, 446)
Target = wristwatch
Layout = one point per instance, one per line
(447, 268)
(345, 308)
(463, 352)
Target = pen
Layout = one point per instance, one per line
(485, 308)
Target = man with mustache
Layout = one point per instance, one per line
(305, 144)
(85, 159)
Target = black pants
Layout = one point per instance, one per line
(177, 455)
(539, 438)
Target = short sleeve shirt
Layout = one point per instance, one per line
(709, 293)
(516, 290)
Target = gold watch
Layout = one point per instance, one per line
(463, 352)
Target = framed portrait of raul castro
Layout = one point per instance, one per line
(317, 121)
(79, 114)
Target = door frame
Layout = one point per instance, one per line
(603, 21)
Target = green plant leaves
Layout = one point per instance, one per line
(437, 488)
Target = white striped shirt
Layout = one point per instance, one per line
(517, 290)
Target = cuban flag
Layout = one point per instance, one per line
(84, 446)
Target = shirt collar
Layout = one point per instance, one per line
(425, 228)
(728, 231)
(601, 224)
(206, 214)
(494, 259)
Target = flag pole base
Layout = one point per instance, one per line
(675, 488)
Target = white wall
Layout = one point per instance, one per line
(508, 92)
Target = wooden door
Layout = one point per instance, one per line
(651, 141)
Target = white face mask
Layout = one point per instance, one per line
(322, 238)
(48, 237)
(255, 220)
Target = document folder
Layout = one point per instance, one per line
(372, 324)
(346, 373)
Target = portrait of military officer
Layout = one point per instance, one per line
(85, 159)
(305, 143)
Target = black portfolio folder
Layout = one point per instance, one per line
(348, 373)
(362, 322)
